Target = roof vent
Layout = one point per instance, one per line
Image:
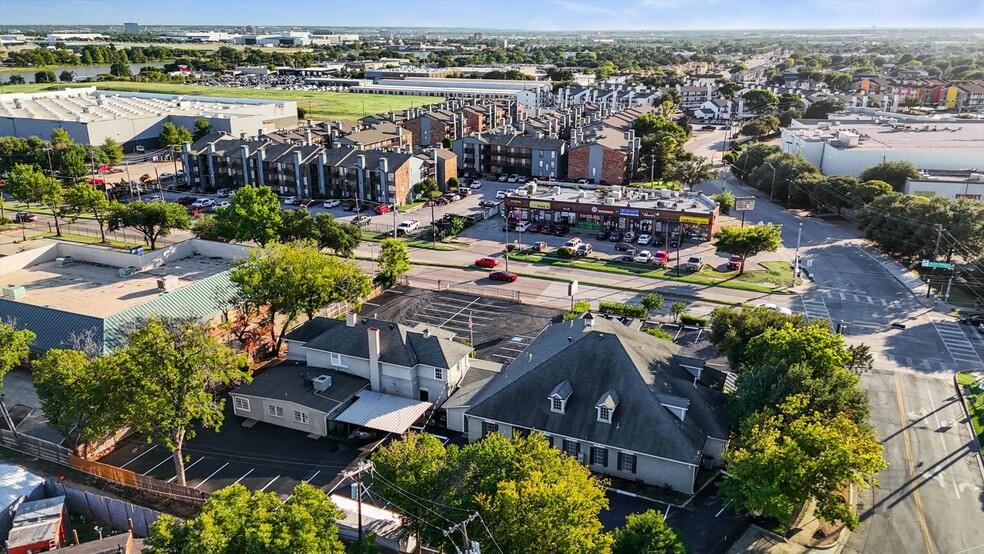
(321, 383)
(427, 333)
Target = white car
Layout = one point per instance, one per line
(775, 308)
(510, 192)
(643, 257)
(500, 194)
(574, 242)
(407, 227)
(520, 179)
(512, 178)
(223, 193)
(333, 203)
(644, 239)
(203, 203)
(223, 204)
(502, 178)
(476, 184)
(166, 176)
(291, 200)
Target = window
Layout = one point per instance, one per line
(275, 411)
(599, 456)
(556, 405)
(626, 462)
(604, 414)
(337, 360)
(439, 373)
(301, 417)
(241, 403)
(572, 447)
(488, 428)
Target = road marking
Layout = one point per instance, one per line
(720, 512)
(244, 475)
(187, 468)
(956, 342)
(270, 483)
(160, 464)
(912, 467)
(311, 478)
(212, 475)
(138, 456)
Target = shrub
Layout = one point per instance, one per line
(659, 333)
(688, 319)
(570, 316)
(631, 310)
(581, 306)
(565, 252)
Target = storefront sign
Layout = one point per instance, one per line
(692, 219)
(628, 212)
(540, 204)
(604, 211)
(649, 213)
(514, 202)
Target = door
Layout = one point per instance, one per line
(424, 395)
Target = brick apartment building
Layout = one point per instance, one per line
(496, 153)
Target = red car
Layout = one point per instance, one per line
(382, 208)
(734, 263)
(503, 276)
(661, 257)
(487, 262)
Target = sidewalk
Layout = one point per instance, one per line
(759, 541)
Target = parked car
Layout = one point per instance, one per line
(382, 209)
(523, 226)
(487, 204)
(694, 263)
(534, 228)
(512, 178)
(407, 227)
(643, 257)
(219, 205)
(25, 217)
(615, 236)
(538, 246)
(487, 262)
(290, 200)
(644, 239)
(735, 261)
(223, 193)
(306, 203)
(775, 308)
(628, 236)
(349, 206)
(203, 203)
(500, 194)
(561, 230)
(708, 128)
(583, 249)
(510, 192)
(520, 179)
(452, 197)
(166, 176)
(361, 220)
(974, 319)
(186, 200)
(503, 178)
(603, 235)
(332, 203)
(582, 181)
(503, 276)
(623, 246)
(675, 241)
(476, 185)
(574, 242)
(661, 257)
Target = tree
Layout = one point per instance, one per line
(731, 330)
(66, 76)
(394, 260)
(752, 158)
(726, 201)
(861, 359)
(749, 240)
(235, 520)
(173, 136)
(677, 308)
(427, 189)
(72, 162)
(15, 346)
(253, 214)
(761, 101)
(653, 301)
(46, 76)
(28, 184)
(781, 177)
(340, 238)
(295, 225)
(202, 128)
(782, 457)
(110, 151)
(822, 108)
(121, 70)
(176, 373)
(206, 228)
(85, 198)
(153, 219)
(453, 183)
(689, 172)
(294, 279)
(16, 80)
(647, 533)
(786, 118)
(893, 173)
(762, 125)
(80, 397)
(790, 101)
(867, 191)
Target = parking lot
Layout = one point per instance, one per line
(501, 329)
(262, 458)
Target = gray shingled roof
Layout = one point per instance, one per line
(595, 360)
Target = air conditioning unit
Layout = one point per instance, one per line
(126, 271)
(321, 383)
(65, 261)
(167, 283)
(14, 291)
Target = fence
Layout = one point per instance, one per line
(109, 512)
(33, 446)
(130, 237)
(464, 288)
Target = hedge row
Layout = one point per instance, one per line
(688, 319)
(631, 310)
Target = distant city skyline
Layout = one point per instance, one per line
(527, 15)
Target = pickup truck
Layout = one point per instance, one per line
(407, 227)
(694, 263)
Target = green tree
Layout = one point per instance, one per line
(893, 173)
(202, 128)
(689, 172)
(761, 101)
(653, 301)
(340, 238)
(295, 225)
(394, 260)
(72, 163)
(16, 80)
(427, 189)
(110, 152)
(235, 520)
(867, 191)
(731, 330)
(46, 76)
(822, 108)
(176, 373)
(861, 359)
(789, 170)
(15, 346)
(85, 198)
(206, 228)
(453, 183)
(153, 219)
(294, 279)
(749, 240)
(677, 308)
(80, 397)
(647, 533)
(786, 118)
(28, 184)
(790, 101)
(173, 136)
(783, 456)
(726, 201)
(121, 70)
(253, 214)
(762, 125)
(751, 158)
(66, 76)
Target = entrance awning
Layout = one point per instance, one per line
(383, 412)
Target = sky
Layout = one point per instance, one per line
(544, 15)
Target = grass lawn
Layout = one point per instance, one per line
(410, 206)
(319, 105)
(975, 403)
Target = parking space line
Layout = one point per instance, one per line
(212, 475)
(270, 483)
(162, 462)
(245, 474)
(137, 457)
(311, 478)
(187, 468)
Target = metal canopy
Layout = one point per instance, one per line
(384, 412)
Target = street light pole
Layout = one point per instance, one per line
(796, 258)
(773, 192)
(372, 260)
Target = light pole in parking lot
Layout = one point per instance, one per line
(372, 260)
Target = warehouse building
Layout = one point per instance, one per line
(527, 93)
(90, 116)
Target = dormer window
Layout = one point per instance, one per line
(606, 406)
(559, 395)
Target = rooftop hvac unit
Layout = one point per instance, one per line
(167, 283)
(62, 262)
(126, 271)
(14, 291)
(609, 201)
(321, 383)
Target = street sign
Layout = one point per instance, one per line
(572, 288)
(937, 265)
(744, 203)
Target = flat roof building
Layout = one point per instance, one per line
(90, 116)
(526, 93)
(949, 184)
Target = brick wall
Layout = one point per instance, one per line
(474, 122)
(577, 162)
(402, 184)
(413, 127)
(613, 165)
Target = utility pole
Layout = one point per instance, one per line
(357, 473)
(433, 225)
(470, 548)
(796, 258)
(507, 243)
(394, 219)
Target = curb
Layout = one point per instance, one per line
(970, 424)
(766, 532)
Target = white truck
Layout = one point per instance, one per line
(407, 227)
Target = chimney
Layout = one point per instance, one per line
(351, 318)
(307, 136)
(374, 371)
(427, 333)
(360, 161)
(384, 165)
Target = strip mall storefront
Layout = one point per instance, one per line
(594, 217)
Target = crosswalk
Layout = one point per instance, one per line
(815, 308)
(917, 365)
(861, 298)
(957, 344)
